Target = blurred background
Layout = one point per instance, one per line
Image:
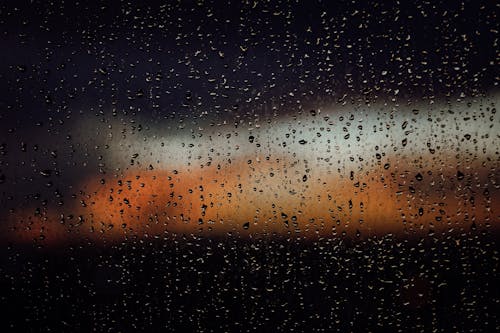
(249, 166)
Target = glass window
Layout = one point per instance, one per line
(217, 166)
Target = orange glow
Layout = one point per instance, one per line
(251, 200)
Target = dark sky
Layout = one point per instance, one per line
(186, 58)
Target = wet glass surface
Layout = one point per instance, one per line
(249, 166)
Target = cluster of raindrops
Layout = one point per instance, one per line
(249, 166)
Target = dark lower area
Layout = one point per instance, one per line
(188, 284)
